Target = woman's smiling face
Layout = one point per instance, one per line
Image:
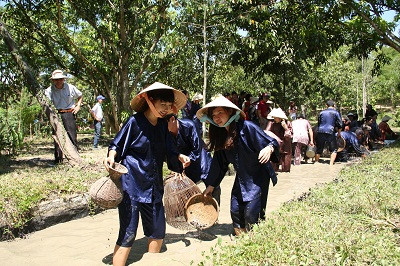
(162, 107)
(220, 116)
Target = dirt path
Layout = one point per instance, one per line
(90, 240)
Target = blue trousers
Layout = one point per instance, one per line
(97, 133)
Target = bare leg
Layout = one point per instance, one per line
(316, 158)
(155, 245)
(120, 255)
(333, 157)
(239, 231)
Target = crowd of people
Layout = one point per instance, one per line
(251, 133)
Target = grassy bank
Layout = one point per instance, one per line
(352, 221)
(30, 178)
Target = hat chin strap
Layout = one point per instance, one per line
(235, 117)
(151, 105)
(153, 109)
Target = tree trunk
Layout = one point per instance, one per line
(61, 136)
(204, 66)
(364, 89)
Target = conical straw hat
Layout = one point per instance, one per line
(219, 101)
(277, 112)
(197, 97)
(138, 102)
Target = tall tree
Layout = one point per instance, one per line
(117, 47)
(61, 136)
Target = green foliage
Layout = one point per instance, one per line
(352, 221)
(26, 184)
(18, 118)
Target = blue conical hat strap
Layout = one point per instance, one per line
(235, 118)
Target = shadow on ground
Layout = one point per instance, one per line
(139, 247)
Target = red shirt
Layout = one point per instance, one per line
(264, 108)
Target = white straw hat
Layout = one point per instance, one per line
(197, 97)
(219, 101)
(58, 74)
(253, 99)
(277, 112)
(138, 102)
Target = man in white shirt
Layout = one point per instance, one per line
(97, 113)
(63, 96)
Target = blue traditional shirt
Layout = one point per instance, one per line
(329, 119)
(142, 148)
(351, 141)
(190, 144)
(252, 177)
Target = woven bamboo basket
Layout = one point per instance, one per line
(107, 191)
(116, 171)
(201, 211)
(177, 190)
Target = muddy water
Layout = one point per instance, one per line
(90, 240)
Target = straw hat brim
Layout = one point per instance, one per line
(197, 97)
(277, 112)
(138, 103)
(220, 101)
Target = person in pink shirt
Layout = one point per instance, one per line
(302, 136)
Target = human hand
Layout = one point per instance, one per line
(76, 109)
(265, 154)
(208, 191)
(110, 159)
(284, 125)
(173, 125)
(185, 160)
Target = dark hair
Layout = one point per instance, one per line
(247, 97)
(165, 95)
(359, 132)
(301, 116)
(219, 137)
(330, 103)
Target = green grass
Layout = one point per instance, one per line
(29, 179)
(352, 221)
(21, 190)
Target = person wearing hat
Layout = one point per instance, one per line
(63, 95)
(97, 114)
(263, 109)
(352, 121)
(141, 145)
(282, 129)
(329, 122)
(243, 144)
(386, 131)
